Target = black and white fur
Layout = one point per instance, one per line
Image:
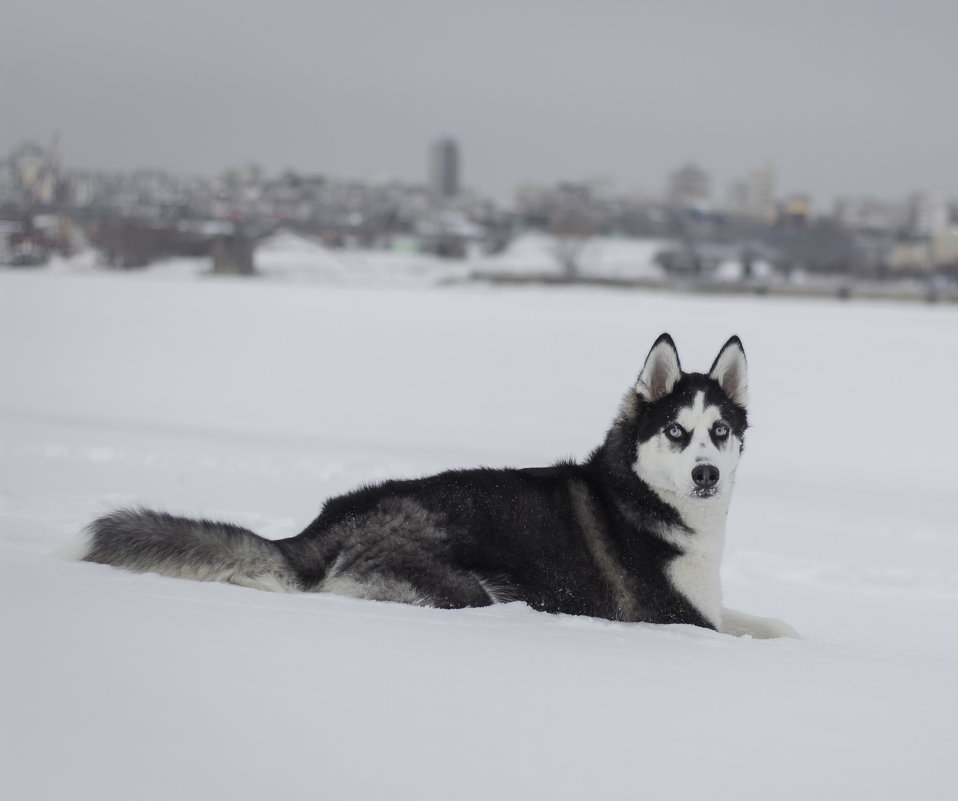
(634, 533)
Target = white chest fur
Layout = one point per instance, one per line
(696, 572)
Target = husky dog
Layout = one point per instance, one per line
(634, 533)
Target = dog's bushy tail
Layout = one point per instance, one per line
(203, 550)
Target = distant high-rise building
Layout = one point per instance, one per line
(754, 196)
(444, 168)
(871, 214)
(929, 213)
(761, 193)
(35, 171)
(689, 186)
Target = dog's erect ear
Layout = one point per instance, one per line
(731, 371)
(661, 371)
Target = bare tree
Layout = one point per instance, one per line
(571, 226)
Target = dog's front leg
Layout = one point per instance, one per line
(739, 624)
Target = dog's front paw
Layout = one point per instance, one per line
(740, 624)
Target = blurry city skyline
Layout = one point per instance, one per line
(841, 98)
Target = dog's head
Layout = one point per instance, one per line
(688, 429)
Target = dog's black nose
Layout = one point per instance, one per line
(705, 476)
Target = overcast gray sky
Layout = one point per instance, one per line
(845, 96)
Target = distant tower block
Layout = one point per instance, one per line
(444, 169)
(689, 186)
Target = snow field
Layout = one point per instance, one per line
(255, 400)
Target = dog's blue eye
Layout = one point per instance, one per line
(675, 431)
(721, 431)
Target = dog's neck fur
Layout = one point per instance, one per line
(695, 571)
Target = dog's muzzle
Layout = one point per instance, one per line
(706, 479)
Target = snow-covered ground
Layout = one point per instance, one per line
(255, 400)
(535, 253)
(287, 256)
